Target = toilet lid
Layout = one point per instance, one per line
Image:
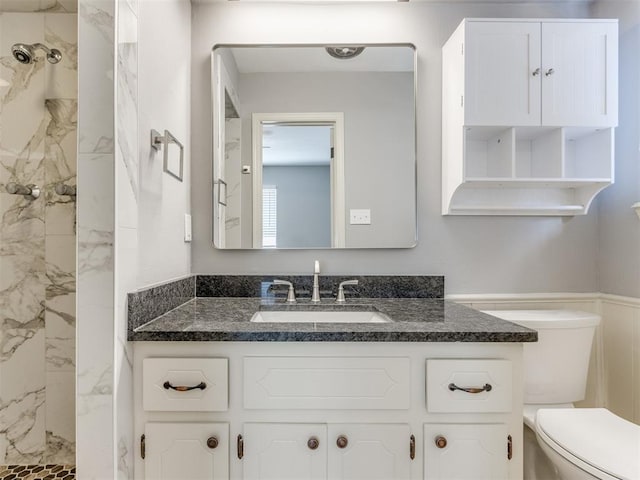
(594, 436)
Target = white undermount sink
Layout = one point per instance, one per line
(311, 316)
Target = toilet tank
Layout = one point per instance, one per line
(556, 366)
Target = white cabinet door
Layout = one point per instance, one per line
(502, 86)
(186, 451)
(465, 452)
(579, 74)
(369, 452)
(281, 451)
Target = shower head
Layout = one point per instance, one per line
(26, 54)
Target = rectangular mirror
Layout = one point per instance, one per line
(314, 146)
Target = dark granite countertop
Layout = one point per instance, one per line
(414, 320)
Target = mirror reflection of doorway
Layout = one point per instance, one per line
(299, 185)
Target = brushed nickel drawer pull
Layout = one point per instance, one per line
(487, 388)
(240, 447)
(412, 447)
(167, 385)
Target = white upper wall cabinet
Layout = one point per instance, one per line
(499, 89)
(528, 112)
(579, 74)
(524, 73)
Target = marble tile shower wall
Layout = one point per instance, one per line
(38, 120)
(126, 247)
(96, 229)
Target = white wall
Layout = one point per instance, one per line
(378, 155)
(481, 254)
(619, 227)
(164, 103)
(303, 204)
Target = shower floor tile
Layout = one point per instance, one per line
(37, 472)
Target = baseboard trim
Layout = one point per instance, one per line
(522, 297)
(620, 300)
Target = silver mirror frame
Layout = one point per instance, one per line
(214, 96)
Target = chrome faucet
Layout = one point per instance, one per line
(340, 298)
(315, 295)
(291, 294)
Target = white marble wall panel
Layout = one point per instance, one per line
(127, 187)
(96, 76)
(67, 6)
(60, 165)
(127, 95)
(70, 6)
(61, 333)
(60, 314)
(22, 396)
(233, 169)
(60, 239)
(61, 417)
(95, 437)
(37, 271)
(96, 237)
(95, 274)
(61, 32)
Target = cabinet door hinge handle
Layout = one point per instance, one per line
(509, 447)
(240, 447)
(143, 446)
(412, 447)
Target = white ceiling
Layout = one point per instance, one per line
(316, 59)
(284, 145)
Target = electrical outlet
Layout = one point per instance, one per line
(187, 227)
(361, 216)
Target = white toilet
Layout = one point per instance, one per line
(578, 443)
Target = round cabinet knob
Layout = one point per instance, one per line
(441, 442)
(313, 443)
(342, 441)
(212, 442)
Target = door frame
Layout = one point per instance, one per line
(338, 215)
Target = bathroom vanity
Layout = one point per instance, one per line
(433, 393)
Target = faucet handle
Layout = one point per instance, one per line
(291, 294)
(340, 298)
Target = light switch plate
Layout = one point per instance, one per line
(187, 227)
(360, 216)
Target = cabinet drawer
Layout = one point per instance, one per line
(326, 383)
(488, 384)
(185, 384)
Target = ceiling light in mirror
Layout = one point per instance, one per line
(344, 52)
